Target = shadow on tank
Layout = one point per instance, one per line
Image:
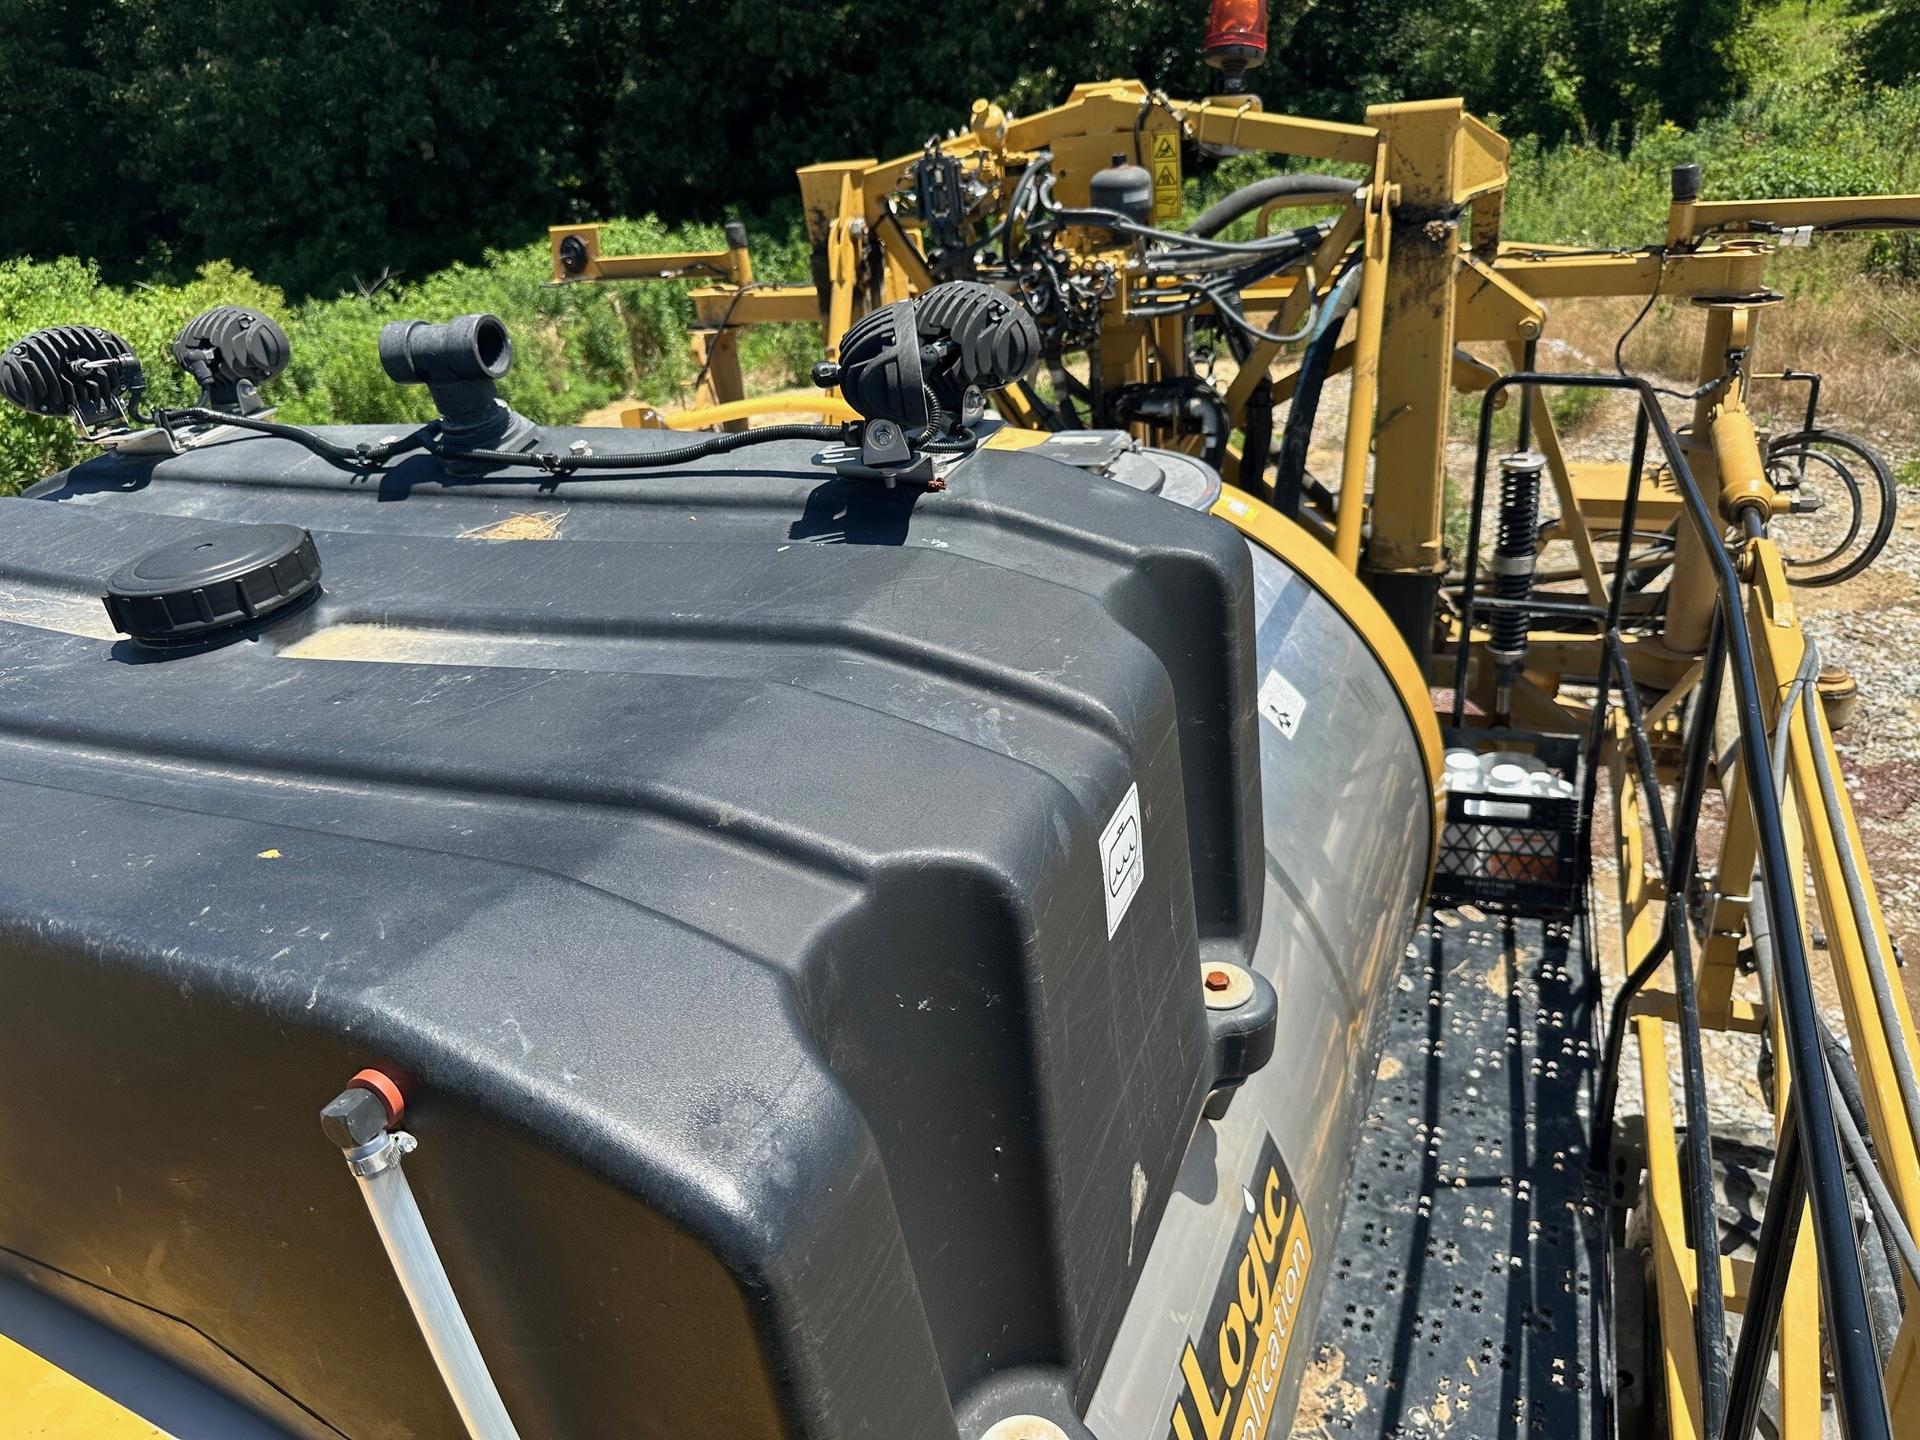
(856, 512)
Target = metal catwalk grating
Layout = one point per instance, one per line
(1465, 1297)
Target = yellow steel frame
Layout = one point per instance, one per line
(1435, 274)
(1430, 168)
(41, 1401)
(1779, 647)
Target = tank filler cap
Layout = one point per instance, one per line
(190, 591)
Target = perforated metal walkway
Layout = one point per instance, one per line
(1466, 1293)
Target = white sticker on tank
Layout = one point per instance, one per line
(1281, 706)
(1123, 861)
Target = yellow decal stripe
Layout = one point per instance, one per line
(1274, 1337)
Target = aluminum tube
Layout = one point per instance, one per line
(416, 1264)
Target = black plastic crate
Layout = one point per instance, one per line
(1517, 853)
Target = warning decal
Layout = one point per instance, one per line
(1123, 861)
(1163, 162)
(1230, 1374)
(1281, 706)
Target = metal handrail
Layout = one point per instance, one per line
(1809, 1130)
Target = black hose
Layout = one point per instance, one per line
(1029, 177)
(1290, 467)
(649, 460)
(1183, 241)
(365, 456)
(1222, 213)
(357, 457)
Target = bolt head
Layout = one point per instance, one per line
(1225, 987)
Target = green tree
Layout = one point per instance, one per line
(1640, 62)
(1888, 47)
(67, 191)
(326, 142)
(703, 106)
(323, 143)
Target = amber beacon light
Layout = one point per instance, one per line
(1236, 40)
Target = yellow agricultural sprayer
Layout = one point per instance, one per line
(1045, 903)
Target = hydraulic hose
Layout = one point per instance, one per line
(1290, 468)
(1878, 967)
(1222, 213)
(1802, 692)
(1896, 1239)
(1013, 214)
(1182, 240)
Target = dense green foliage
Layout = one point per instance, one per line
(407, 169)
(1809, 124)
(324, 146)
(1888, 47)
(575, 347)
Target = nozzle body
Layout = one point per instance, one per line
(459, 361)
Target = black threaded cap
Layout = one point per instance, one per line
(353, 1117)
(192, 590)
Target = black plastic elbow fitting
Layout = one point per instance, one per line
(459, 363)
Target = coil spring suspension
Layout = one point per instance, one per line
(1513, 567)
